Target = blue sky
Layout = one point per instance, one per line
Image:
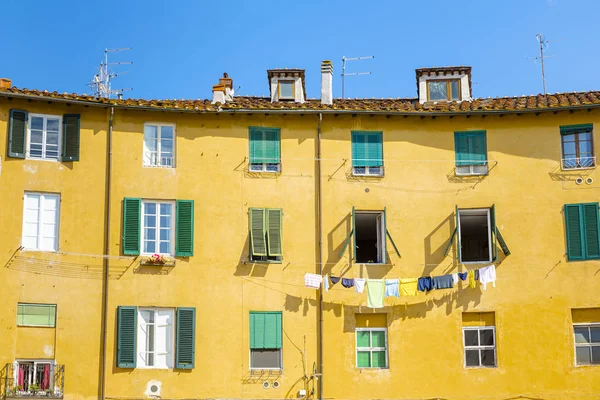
(181, 48)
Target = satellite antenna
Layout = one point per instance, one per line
(543, 45)
(344, 74)
(102, 81)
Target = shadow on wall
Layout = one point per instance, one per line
(246, 267)
(435, 244)
(339, 235)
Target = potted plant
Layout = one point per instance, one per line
(156, 259)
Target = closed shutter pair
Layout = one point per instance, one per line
(367, 149)
(17, 134)
(185, 346)
(470, 148)
(265, 330)
(582, 229)
(265, 146)
(184, 227)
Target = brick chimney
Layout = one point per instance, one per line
(223, 91)
(326, 82)
(5, 83)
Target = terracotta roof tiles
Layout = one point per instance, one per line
(402, 105)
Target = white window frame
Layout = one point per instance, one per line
(157, 227)
(474, 211)
(170, 346)
(588, 345)
(381, 237)
(470, 170)
(44, 137)
(262, 167)
(266, 369)
(147, 154)
(369, 171)
(286, 81)
(35, 363)
(371, 349)
(480, 347)
(42, 197)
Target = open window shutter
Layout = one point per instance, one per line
(258, 245)
(590, 219)
(359, 149)
(387, 233)
(353, 252)
(126, 337)
(450, 242)
(256, 146)
(493, 231)
(574, 231)
(70, 144)
(274, 237)
(184, 240)
(186, 338)
(272, 146)
(17, 131)
(478, 148)
(132, 209)
(346, 243)
(461, 148)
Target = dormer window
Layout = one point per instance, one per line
(443, 90)
(287, 85)
(286, 90)
(439, 84)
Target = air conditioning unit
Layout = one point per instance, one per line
(472, 170)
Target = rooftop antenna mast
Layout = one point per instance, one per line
(101, 83)
(543, 45)
(344, 74)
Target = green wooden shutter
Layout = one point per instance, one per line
(184, 241)
(374, 149)
(470, 148)
(353, 252)
(256, 146)
(126, 337)
(590, 221)
(346, 243)
(17, 132)
(132, 209)
(186, 338)
(574, 232)
(70, 144)
(359, 149)
(449, 245)
(458, 244)
(266, 329)
(272, 146)
(258, 245)
(274, 237)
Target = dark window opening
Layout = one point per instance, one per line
(369, 236)
(264, 258)
(474, 236)
(265, 358)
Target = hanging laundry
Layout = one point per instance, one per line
(326, 283)
(463, 276)
(443, 282)
(408, 286)
(392, 288)
(487, 275)
(359, 285)
(347, 282)
(334, 279)
(455, 278)
(471, 277)
(425, 284)
(313, 280)
(375, 292)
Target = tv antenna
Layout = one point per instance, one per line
(101, 83)
(543, 46)
(344, 74)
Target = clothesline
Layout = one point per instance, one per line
(378, 289)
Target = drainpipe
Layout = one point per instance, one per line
(320, 260)
(105, 258)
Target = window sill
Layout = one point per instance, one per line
(483, 367)
(475, 262)
(265, 262)
(373, 264)
(254, 370)
(578, 168)
(158, 166)
(36, 326)
(42, 159)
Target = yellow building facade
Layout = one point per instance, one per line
(242, 197)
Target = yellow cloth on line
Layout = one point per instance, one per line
(375, 292)
(408, 286)
(471, 278)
